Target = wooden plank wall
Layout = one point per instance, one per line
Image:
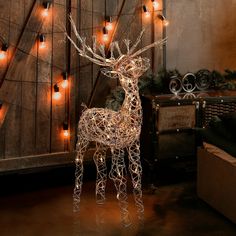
(33, 124)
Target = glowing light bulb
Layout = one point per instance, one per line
(42, 45)
(57, 94)
(46, 6)
(66, 132)
(2, 55)
(105, 37)
(155, 4)
(146, 12)
(45, 13)
(166, 22)
(105, 34)
(163, 19)
(65, 81)
(3, 52)
(109, 24)
(64, 84)
(42, 41)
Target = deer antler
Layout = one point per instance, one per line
(155, 44)
(86, 50)
(137, 41)
(100, 59)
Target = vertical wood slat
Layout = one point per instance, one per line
(85, 73)
(16, 130)
(58, 61)
(43, 80)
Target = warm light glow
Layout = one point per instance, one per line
(66, 133)
(42, 41)
(42, 45)
(108, 23)
(163, 19)
(147, 14)
(3, 55)
(105, 34)
(105, 37)
(45, 12)
(109, 26)
(46, 6)
(57, 95)
(155, 4)
(64, 83)
(166, 22)
(3, 51)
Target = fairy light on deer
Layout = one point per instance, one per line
(117, 130)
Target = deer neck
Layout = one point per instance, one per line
(132, 103)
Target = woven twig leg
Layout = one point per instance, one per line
(80, 149)
(135, 169)
(117, 174)
(99, 159)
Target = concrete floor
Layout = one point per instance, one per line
(172, 210)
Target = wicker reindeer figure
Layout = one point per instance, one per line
(117, 130)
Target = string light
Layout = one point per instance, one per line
(109, 24)
(155, 4)
(163, 19)
(66, 130)
(146, 12)
(57, 94)
(46, 6)
(105, 34)
(42, 41)
(3, 52)
(65, 81)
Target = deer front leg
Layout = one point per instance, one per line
(135, 169)
(100, 161)
(80, 149)
(117, 174)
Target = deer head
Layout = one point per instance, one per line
(129, 65)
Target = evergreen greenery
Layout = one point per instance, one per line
(159, 84)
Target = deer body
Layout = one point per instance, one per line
(110, 129)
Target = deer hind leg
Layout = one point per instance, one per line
(80, 150)
(117, 174)
(135, 169)
(99, 158)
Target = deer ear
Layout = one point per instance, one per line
(110, 73)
